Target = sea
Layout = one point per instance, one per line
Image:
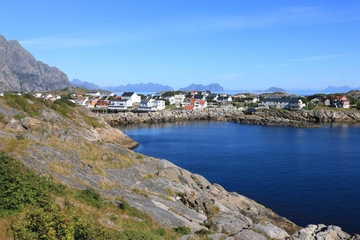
(308, 175)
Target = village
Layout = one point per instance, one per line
(131, 101)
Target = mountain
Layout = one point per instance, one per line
(338, 89)
(213, 87)
(275, 89)
(78, 83)
(19, 71)
(141, 87)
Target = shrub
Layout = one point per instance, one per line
(203, 231)
(91, 197)
(183, 230)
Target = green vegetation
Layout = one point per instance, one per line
(64, 107)
(91, 121)
(34, 207)
(25, 103)
(183, 230)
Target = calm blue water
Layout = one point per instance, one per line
(309, 176)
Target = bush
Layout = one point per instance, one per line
(91, 197)
(20, 187)
(182, 230)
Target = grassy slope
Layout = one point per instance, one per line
(33, 207)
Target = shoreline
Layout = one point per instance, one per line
(305, 119)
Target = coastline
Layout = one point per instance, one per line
(267, 117)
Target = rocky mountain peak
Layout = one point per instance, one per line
(20, 71)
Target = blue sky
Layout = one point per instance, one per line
(242, 45)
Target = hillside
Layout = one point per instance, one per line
(19, 71)
(93, 186)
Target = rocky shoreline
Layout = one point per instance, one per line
(99, 156)
(267, 117)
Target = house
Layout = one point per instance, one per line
(224, 99)
(94, 94)
(199, 97)
(90, 104)
(38, 95)
(212, 96)
(1, 94)
(151, 104)
(102, 104)
(120, 104)
(82, 100)
(171, 100)
(340, 102)
(179, 99)
(132, 96)
(286, 103)
(200, 104)
(251, 100)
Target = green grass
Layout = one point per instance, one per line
(33, 207)
(25, 103)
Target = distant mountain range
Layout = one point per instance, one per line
(214, 87)
(275, 89)
(141, 87)
(90, 86)
(342, 89)
(148, 87)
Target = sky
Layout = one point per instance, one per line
(241, 45)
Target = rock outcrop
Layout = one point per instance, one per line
(267, 117)
(19, 71)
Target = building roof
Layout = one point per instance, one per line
(282, 100)
(128, 94)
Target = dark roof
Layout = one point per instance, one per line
(291, 100)
(120, 100)
(127, 94)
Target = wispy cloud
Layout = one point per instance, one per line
(83, 40)
(319, 58)
(292, 16)
(229, 77)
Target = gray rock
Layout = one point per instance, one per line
(247, 234)
(271, 231)
(228, 223)
(321, 232)
(20, 71)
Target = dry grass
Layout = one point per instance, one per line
(105, 184)
(61, 168)
(4, 226)
(14, 146)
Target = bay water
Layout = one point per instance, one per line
(308, 175)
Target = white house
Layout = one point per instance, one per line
(94, 94)
(119, 104)
(286, 103)
(171, 100)
(340, 102)
(199, 104)
(150, 104)
(179, 99)
(132, 96)
(82, 100)
(224, 99)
